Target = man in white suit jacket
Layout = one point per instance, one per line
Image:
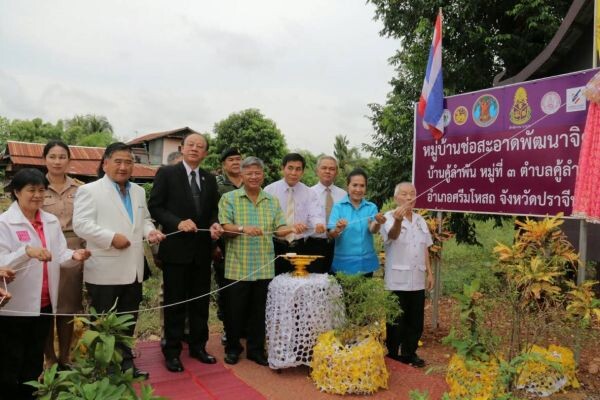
(111, 215)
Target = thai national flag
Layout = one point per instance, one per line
(431, 103)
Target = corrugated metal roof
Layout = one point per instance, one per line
(84, 160)
(153, 136)
(37, 149)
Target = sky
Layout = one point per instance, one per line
(311, 66)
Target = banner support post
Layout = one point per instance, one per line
(437, 281)
(582, 251)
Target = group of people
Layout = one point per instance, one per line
(53, 226)
(59, 233)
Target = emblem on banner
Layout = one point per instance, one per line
(550, 102)
(485, 110)
(575, 99)
(461, 114)
(520, 112)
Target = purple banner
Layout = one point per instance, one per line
(509, 150)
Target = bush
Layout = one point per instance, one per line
(535, 300)
(367, 304)
(96, 373)
(351, 358)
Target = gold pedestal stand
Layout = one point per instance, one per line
(300, 262)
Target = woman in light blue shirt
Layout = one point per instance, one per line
(352, 223)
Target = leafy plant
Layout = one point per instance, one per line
(96, 373)
(439, 236)
(469, 344)
(535, 269)
(538, 258)
(583, 306)
(367, 306)
(539, 297)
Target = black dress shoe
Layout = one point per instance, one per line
(415, 361)
(259, 359)
(202, 356)
(174, 364)
(64, 367)
(232, 358)
(138, 373)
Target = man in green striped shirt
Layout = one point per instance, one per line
(250, 217)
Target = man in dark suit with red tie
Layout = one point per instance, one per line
(185, 198)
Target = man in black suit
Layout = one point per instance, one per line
(185, 198)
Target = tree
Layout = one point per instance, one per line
(84, 130)
(391, 148)
(35, 130)
(4, 131)
(348, 158)
(96, 139)
(480, 39)
(89, 130)
(211, 162)
(310, 176)
(255, 135)
(345, 154)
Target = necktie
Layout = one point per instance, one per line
(328, 204)
(195, 191)
(289, 213)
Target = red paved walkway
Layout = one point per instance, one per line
(197, 382)
(248, 381)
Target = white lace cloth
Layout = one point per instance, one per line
(298, 310)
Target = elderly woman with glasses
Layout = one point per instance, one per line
(33, 246)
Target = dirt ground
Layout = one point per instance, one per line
(438, 355)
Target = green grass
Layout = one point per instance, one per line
(462, 263)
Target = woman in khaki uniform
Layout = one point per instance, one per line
(59, 201)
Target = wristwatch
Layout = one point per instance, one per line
(241, 229)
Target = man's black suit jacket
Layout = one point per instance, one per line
(171, 202)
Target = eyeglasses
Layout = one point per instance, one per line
(195, 145)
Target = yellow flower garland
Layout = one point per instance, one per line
(473, 380)
(358, 368)
(543, 380)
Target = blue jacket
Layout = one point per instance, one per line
(354, 251)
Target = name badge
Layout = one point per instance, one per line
(23, 236)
